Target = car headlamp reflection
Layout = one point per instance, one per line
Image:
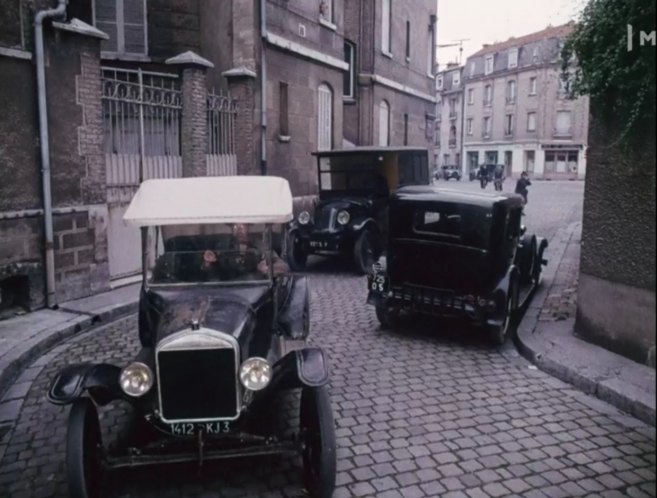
(255, 374)
(136, 379)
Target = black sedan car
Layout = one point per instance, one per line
(222, 327)
(456, 254)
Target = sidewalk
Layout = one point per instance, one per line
(546, 337)
(24, 338)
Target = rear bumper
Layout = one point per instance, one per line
(443, 304)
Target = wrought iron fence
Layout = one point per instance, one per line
(221, 112)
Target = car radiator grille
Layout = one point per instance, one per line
(197, 384)
(325, 218)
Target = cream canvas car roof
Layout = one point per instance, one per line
(225, 199)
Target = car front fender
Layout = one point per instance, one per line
(301, 368)
(294, 317)
(542, 245)
(100, 380)
(360, 224)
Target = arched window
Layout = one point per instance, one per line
(384, 123)
(324, 117)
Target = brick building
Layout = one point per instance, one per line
(139, 89)
(517, 112)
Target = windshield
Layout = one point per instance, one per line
(372, 173)
(218, 254)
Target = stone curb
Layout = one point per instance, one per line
(20, 358)
(616, 392)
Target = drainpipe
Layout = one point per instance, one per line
(59, 11)
(263, 87)
(462, 138)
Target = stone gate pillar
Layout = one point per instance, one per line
(242, 87)
(194, 126)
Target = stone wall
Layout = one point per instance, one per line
(616, 302)
(77, 169)
(173, 27)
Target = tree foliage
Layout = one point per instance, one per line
(620, 82)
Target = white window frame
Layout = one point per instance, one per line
(469, 126)
(471, 99)
(567, 132)
(489, 64)
(488, 95)
(456, 78)
(511, 91)
(533, 85)
(509, 125)
(386, 27)
(531, 118)
(473, 67)
(351, 70)
(513, 58)
(324, 117)
(487, 126)
(120, 31)
(439, 83)
(430, 54)
(385, 114)
(328, 15)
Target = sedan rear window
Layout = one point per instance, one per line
(460, 224)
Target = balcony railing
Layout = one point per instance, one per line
(453, 114)
(452, 143)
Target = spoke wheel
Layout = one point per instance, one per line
(318, 438)
(84, 450)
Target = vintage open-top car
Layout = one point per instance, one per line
(452, 253)
(222, 327)
(354, 189)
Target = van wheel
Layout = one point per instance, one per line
(365, 252)
(296, 256)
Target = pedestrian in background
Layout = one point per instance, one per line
(522, 184)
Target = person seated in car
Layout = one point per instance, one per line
(249, 256)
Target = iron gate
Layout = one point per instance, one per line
(221, 111)
(141, 119)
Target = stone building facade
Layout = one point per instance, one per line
(327, 67)
(517, 112)
(449, 116)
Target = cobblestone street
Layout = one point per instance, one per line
(431, 410)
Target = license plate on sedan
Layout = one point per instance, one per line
(193, 428)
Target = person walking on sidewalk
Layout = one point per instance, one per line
(522, 184)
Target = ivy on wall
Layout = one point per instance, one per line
(608, 58)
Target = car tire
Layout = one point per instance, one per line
(365, 252)
(500, 333)
(296, 256)
(527, 259)
(318, 439)
(84, 451)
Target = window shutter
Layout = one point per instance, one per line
(105, 17)
(134, 26)
(324, 118)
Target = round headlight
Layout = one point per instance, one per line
(343, 217)
(255, 374)
(304, 218)
(136, 379)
